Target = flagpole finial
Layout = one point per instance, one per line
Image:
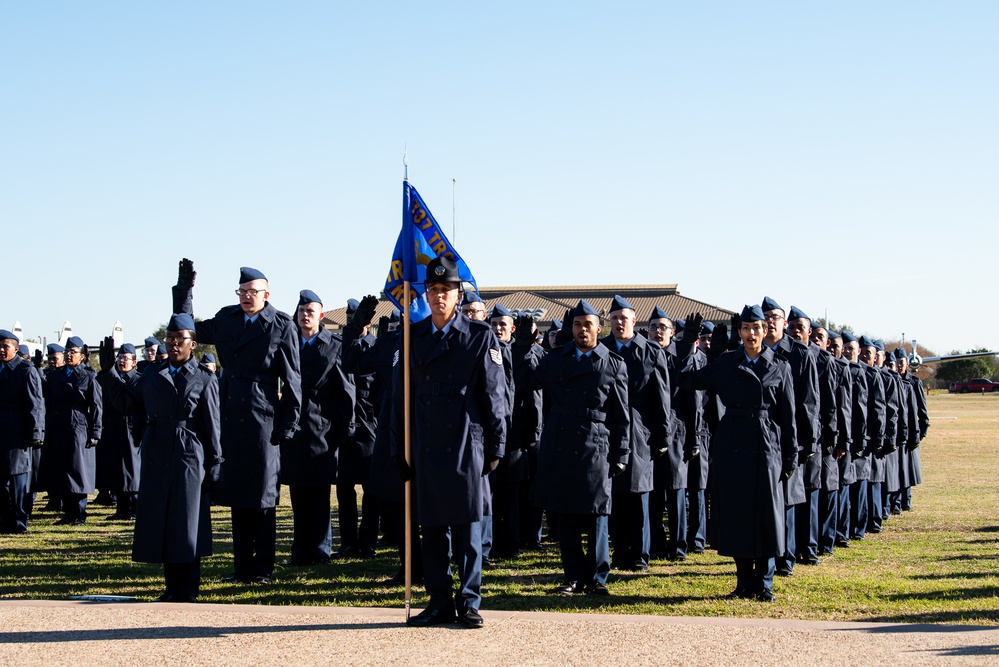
(405, 167)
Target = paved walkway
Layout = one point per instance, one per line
(93, 633)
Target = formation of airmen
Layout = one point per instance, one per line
(771, 439)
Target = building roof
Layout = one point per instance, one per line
(546, 303)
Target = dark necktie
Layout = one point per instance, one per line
(438, 337)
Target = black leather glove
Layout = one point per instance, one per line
(365, 311)
(804, 456)
(692, 328)
(524, 335)
(105, 353)
(490, 465)
(277, 438)
(186, 274)
(787, 470)
(564, 334)
(691, 454)
(719, 340)
(733, 335)
(616, 469)
(383, 323)
(37, 359)
(37, 444)
(403, 468)
(92, 442)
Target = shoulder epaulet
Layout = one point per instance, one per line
(280, 314)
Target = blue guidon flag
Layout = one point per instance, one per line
(420, 240)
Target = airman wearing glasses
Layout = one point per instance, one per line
(805, 380)
(473, 307)
(258, 347)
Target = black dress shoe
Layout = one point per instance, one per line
(470, 618)
(166, 597)
(639, 566)
(811, 560)
(678, 557)
(739, 594)
(765, 596)
(840, 542)
(344, 551)
(79, 521)
(261, 580)
(825, 552)
(697, 550)
(783, 572)
(430, 616)
(596, 588)
(233, 579)
(568, 588)
(63, 521)
(874, 530)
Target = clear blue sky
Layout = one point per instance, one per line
(841, 157)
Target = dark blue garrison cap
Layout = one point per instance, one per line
(879, 344)
(499, 310)
(208, 358)
(583, 308)
(706, 328)
(833, 335)
(247, 274)
(352, 305)
(556, 324)
(798, 314)
(620, 303)
(848, 337)
(470, 297)
(75, 341)
(127, 348)
(752, 313)
(866, 342)
(23, 349)
(180, 322)
(659, 314)
(161, 349)
(151, 342)
(680, 324)
(769, 304)
(395, 315)
(307, 296)
(6, 335)
(55, 347)
(900, 353)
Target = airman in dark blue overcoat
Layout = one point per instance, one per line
(651, 436)
(309, 459)
(859, 494)
(805, 379)
(261, 399)
(586, 441)
(119, 447)
(74, 410)
(820, 470)
(180, 458)
(22, 431)
(754, 450)
(359, 532)
(458, 400)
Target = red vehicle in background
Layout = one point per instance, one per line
(978, 386)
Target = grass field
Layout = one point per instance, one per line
(938, 563)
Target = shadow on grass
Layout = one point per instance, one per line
(174, 632)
